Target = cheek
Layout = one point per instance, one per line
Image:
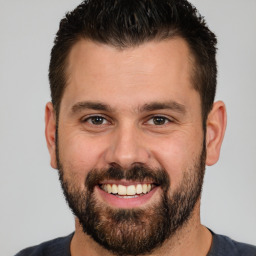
(176, 155)
(78, 154)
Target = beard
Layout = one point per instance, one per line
(140, 230)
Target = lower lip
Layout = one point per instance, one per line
(125, 203)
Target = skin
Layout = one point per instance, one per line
(127, 81)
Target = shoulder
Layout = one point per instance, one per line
(59, 246)
(223, 245)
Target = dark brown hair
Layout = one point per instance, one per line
(126, 23)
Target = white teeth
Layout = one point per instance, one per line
(127, 191)
(109, 188)
(139, 189)
(127, 196)
(121, 190)
(114, 189)
(144, 188)
(105, 188)
(131, 190)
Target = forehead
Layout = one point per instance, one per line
(155, 55)
(153, 70)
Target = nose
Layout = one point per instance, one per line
(127, 148)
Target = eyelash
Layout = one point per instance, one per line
(105, 120)
(90, 119)
(163, 118)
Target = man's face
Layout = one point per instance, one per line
(130, 142)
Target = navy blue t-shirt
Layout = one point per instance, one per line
(221, 246)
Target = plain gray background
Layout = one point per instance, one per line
(32, 206)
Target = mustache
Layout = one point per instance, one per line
(138, 173)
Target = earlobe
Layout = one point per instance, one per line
(216, 126)
(50, 132)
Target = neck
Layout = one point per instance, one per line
(191, 239)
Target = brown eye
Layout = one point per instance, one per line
(96, 120)
(159, 120)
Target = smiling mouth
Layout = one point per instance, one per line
(130, 191)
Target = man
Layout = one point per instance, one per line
(131, 126)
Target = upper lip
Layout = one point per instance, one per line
(125, 182)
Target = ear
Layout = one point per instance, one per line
(216, 126)
(50, 132)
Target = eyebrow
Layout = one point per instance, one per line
(90, 105)
(172, 105)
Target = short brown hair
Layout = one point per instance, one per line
(126, 23)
